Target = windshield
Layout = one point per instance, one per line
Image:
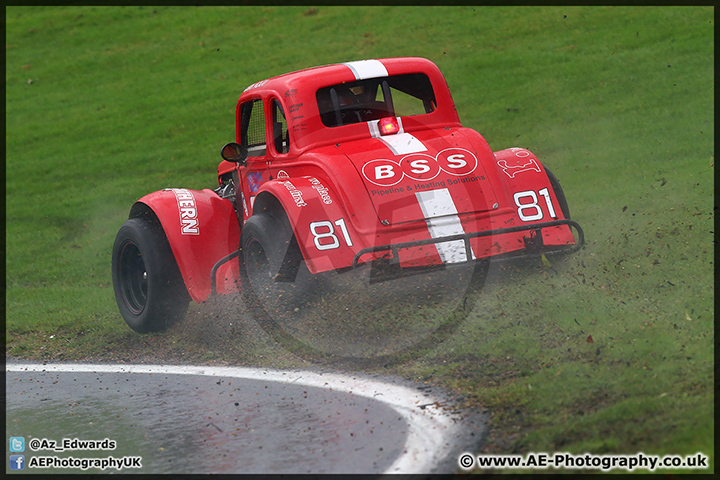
(375, 98)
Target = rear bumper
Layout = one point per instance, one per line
(533, 246)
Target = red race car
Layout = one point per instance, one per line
(360, 164)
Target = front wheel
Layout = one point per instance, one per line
(149, 289)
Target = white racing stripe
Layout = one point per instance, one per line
(403, 144)
(400, 143)
(367, 69)
(442, 220)
(430, 430)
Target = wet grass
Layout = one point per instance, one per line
(610, 350)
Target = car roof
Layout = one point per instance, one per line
(299, 88)
(349, 71)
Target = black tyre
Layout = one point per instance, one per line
(555, 184)
(271, 263)
(148, 287)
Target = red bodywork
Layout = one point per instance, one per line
(349, 190)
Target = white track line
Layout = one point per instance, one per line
(430, 430)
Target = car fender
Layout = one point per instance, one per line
(532, 194)
(525, 177)
(324, 229)
(202, 229)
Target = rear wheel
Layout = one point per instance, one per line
(555, 184)
(275, 281)
(271, 263)
(149, 289)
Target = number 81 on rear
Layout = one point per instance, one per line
(531, 211)
(324, 234)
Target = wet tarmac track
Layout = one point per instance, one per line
(234, 420)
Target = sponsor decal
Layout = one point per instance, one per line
(322, 191)
(420, 167)
(457, 181)
(291, 93)
(295, 107)
(256, 85)
(523, 163)
(388, 191)
(295, 193)
(282, 175)
(254, 181)
(426, 186)
(189, 223)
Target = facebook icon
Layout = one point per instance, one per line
(17, 462)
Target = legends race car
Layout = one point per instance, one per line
(334, 168)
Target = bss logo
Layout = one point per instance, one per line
(420, 167)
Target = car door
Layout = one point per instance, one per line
(253, 135)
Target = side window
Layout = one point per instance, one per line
(281, 137)
(252, 131)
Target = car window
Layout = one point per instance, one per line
(375, 98)
(281, 137)
(252, 128)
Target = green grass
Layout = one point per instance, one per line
(608, 351)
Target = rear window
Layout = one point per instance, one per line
(375, 98)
